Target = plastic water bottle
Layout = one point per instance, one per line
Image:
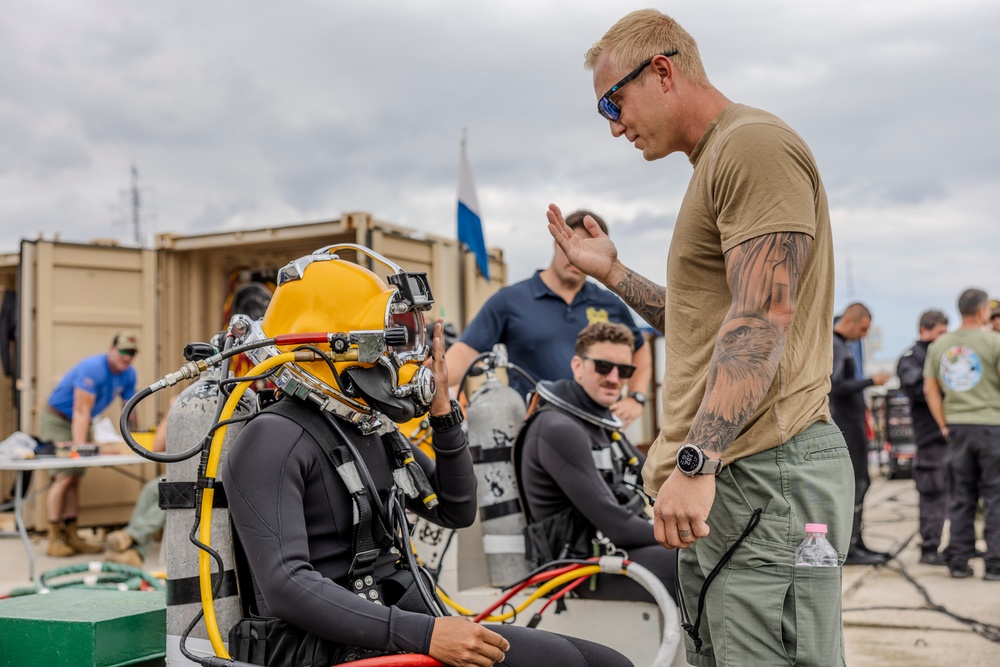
(816, 550)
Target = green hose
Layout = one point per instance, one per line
(97, 576)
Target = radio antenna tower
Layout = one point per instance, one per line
(136, 206)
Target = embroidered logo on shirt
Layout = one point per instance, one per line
(596, 315)
(961, 368)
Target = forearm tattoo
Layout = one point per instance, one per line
(763, 275)
(644, 296)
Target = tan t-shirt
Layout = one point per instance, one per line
(753, 175)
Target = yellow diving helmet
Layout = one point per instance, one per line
(374, 328)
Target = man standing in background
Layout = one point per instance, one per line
(964, 366)
(847, 406)
(929, 470)
(538, 320)
(84, 392)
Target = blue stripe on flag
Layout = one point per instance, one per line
(470, 232)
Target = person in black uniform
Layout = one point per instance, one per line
(579, 475)
(299, 524)
(929, 470)
(847, 407)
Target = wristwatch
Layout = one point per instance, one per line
(444, 422)
(691, 461)
(638, 397)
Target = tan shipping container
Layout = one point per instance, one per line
(73, 297)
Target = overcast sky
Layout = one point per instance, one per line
(246, 114)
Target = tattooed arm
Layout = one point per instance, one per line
(763, 275)
(594, 253)
(643, 295)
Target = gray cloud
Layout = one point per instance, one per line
(248, 113)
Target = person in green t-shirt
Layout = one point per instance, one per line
(962, 387)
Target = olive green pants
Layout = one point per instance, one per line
(762, 610)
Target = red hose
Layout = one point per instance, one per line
(398, 660)
(541, 576)
(302, 338)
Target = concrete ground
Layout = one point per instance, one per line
(886, 619)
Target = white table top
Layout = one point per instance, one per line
(50, 462)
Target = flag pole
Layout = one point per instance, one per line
(462, 287)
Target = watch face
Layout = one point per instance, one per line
(689, 459)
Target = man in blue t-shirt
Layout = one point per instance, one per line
(84, 392)
(538, 320)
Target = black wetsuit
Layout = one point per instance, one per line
(559, 471)
(293, 515)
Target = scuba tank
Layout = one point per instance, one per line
(191, 416)
(494, 414)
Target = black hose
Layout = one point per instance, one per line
(224, 356)
(486, 355)
(430, 600)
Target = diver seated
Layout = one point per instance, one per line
(317, 499)
(579, 476)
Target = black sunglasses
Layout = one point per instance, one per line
(604, 367)
(609, 109)
(126, 353)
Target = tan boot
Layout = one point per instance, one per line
(118, 540)
(77, 543)
(58, 548)
(127, 557)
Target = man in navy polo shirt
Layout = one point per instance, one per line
(538, 319)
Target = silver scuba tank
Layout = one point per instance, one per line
(191, 416)
(494, 414)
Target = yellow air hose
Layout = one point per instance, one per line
(208, 495)
(542, 590)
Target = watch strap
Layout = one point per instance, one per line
(638, 397)
(710, 467)
(450, 420)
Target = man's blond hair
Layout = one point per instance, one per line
(643, 34)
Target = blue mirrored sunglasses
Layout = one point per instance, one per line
(609, 109)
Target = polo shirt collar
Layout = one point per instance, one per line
(540, 290)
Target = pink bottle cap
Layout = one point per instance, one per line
(816, 528)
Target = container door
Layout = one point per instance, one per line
(73, 298)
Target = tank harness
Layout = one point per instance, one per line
(568, 534)
(373, 535)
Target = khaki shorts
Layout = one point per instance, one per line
(761, 609)
(56, 428)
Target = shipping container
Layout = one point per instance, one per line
(72, 298)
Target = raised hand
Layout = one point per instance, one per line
(441, 403)
(589, 250)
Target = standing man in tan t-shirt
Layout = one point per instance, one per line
(746, 448)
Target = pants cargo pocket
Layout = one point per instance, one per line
(758, 583)
(811, 620)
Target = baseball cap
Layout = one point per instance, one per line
(125, 340)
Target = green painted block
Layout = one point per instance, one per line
(83, 628)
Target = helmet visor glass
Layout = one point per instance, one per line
(416, 342)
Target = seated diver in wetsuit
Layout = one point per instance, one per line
(297, 521)
(578, 475)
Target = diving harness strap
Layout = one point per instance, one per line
(371, 535)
